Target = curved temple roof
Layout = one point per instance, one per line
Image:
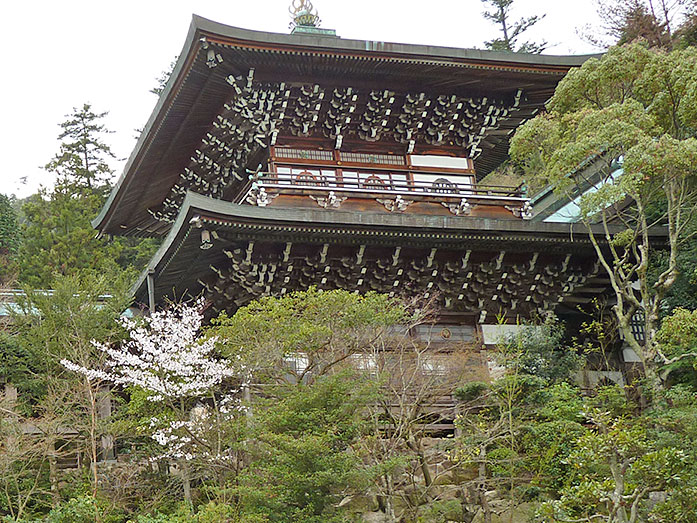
(235, 253)
(198, 89)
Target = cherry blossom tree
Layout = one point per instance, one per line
(165, 359)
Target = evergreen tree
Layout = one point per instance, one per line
(59, 238)
(83, 155)
(9, 239)
(511, 30)
(58, 234)
(659, 23)
(164, 78)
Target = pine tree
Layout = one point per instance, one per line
(83, 155)
(58, 234)
(511, 30)
(59, 238)
(164, 78)
(9, 240)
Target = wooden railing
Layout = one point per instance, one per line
(449, 191)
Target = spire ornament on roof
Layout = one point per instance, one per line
(306, 20)
(304, 14)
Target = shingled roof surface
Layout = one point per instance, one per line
(196, 93)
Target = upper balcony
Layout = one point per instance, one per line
(380, 183)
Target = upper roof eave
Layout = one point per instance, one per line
(203, 28)
(344, 45)
(101, 220)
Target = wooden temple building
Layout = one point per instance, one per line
(276, 162)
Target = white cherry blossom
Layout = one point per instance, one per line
(165, 357)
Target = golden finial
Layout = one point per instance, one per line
(303, 14)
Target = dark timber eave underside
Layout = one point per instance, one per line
(473, 265)
(196, 93)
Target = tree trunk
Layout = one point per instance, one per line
(483, 502)
(389, 506)
(186, 482)
(53, 473)
(93, 437)
(618, 493)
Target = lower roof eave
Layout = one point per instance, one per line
(279, 224)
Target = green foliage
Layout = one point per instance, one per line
(76, 510)
(506, 175)
(10, 240)
(632, 102)
(315, 323)
(543, 353)
(18, 366)
(673, 428)
(9, 228)
(547, 446)
(492, 421)
(183, 514)
(302, 458)
(560, 402)
(82, 160)
(297, 451)
(611, 401)
(527, 420)
(679, 331)
(303, 465)
(470, 391)
(58, 238)
(624, 456)
(215, 513)
(441, 512)
(677, 339)
(684, 292)
(625, 123)
(549, 436)
(84, 509)
(499, 461)
(50, 326)
(680, 506)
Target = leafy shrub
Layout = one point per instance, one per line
(84, 509)
(470, 391)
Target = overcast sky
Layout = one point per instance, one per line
(57, 55)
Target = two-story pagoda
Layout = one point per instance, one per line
(277, 162)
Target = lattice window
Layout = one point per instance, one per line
(444, 185)
(297, 362)
(305, 176)
(434, 365)
(637, 326)
(378, 159)
(304, 154)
